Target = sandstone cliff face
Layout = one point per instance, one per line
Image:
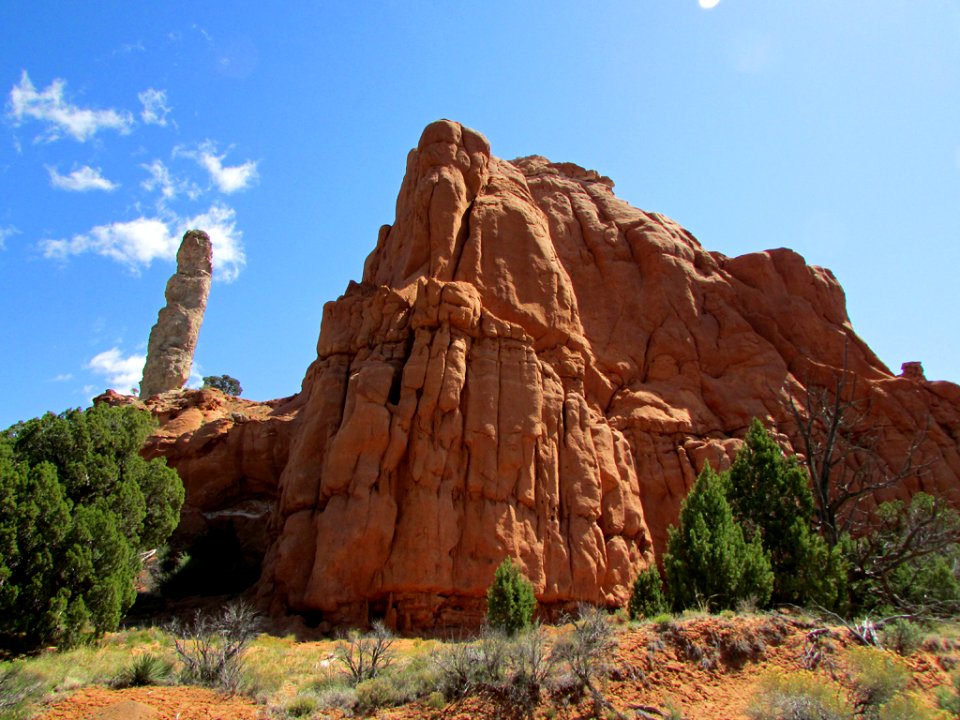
(173, 339)
(529, 367)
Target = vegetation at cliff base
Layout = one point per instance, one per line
(78, 504)
(510, 599)
(708, 561)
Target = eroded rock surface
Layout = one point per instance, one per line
(530, 367)
(173, 339)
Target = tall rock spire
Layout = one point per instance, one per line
(173, 339)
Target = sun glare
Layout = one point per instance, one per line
(708, 4)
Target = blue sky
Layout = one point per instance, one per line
(832, 128)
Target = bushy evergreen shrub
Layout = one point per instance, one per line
(646, 597)
(708, 562)
(510, 599)
(771, 498)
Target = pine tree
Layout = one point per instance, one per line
(771, 498)
(708, 561)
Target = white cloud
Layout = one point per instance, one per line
(155, 108)
(50, 107)
(62, 377)
(219, 222)
(6, 232)
(81, 180)
(168, 185)
(228, 179)
(122, 373)
(137, 243)
(709, 4)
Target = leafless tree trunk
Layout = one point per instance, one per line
(842, 454)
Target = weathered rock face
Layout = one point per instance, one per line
(530, 367)
(173, 339)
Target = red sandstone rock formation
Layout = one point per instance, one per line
(532, 367)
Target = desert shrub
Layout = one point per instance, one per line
(646, 596)
(211, 649)
(402, 684)
(365, 656)
(464, 668)
(587, 651)
(147, 669)
(877, 677)
(524, 674)
(300, 706)
(907, 707)
(511, 672)
(338, 697)
(510, 599)
(708, 561)
(901, 635)
(949, 698)
(798, 696)
(77, 506)
(530, 670)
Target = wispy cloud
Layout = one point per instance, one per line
(81, 180)
(6, 232)
(50, 107)
(62, 377)
(228, 179)
(220, 223)
(121, 372)
(155, 108)
(128, 48)
(169, 186)
(137, 243)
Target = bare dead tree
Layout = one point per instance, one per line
(842, 454)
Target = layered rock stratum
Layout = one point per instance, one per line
(173, 339)
(529, 367)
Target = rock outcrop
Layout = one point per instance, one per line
(529, 367)
(173, 339)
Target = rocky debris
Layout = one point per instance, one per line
(529, 367)
(912, 370)
(173, 339)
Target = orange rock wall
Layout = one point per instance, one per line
(532, 367)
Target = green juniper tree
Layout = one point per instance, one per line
(223, 383)
(771, 498)
(510, 599)
(77, 505)
(646, 596)
(708, 561)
